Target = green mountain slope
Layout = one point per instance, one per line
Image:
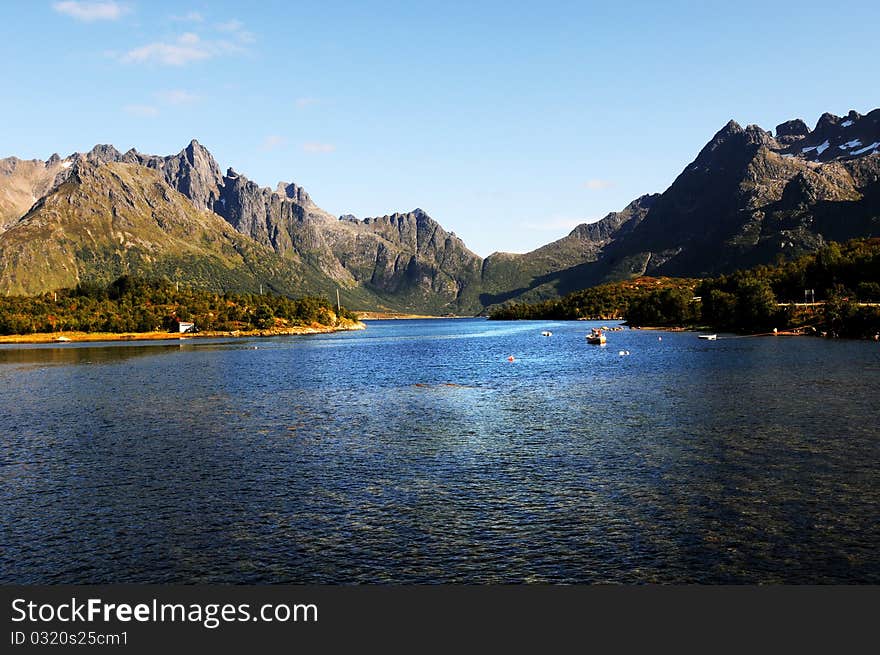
(114, 219)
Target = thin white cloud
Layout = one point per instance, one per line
(189, 17)
(598, 185)
(230, 26)
(302, 103)
(273, 142)
(553, 224)
(315, 147)
(186, 49)
(91, 11)
(141, 111)
(177, 97)
(235, 29)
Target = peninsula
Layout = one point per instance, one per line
(139, 309)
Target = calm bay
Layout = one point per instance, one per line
(416, 452)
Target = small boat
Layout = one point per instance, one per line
(596, 337)
(546, 333)
(62, 339)
(707, 337)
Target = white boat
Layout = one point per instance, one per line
(707, 337)
(596, 337)
(546, 333)
(62, 339)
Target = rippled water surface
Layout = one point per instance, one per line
(416, 452)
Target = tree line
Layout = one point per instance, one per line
(606, 301)
(130, 304)
(840, 281)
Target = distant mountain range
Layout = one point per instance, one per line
(748, 198)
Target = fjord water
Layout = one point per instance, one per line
(416, 452)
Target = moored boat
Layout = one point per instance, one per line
(707, 337)
(596, 337)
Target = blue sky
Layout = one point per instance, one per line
(509, 122)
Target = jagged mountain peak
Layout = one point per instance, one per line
(756, 135)
(827, 120)
(417, 215)
(728, 144)
(731, 127)
(835, 138)
(791, 131)
(195, 150)
(103, 153)
(293, 191)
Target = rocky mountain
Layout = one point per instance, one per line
(106, 220)
(748, 197)
(558, 267)
(406, 260)
(403, 262)
(23, 182)
(411, 258)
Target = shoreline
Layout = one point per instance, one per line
(696, 329)
(710, 330)
(394, 316)
(85, 337)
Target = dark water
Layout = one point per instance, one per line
(415, 452)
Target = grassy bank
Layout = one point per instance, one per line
(63, 337)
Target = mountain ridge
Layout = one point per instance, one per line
(748, 197)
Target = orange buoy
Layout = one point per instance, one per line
(511, 359)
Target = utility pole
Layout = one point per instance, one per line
(338, 306)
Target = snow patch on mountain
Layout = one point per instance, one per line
(862, 151)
